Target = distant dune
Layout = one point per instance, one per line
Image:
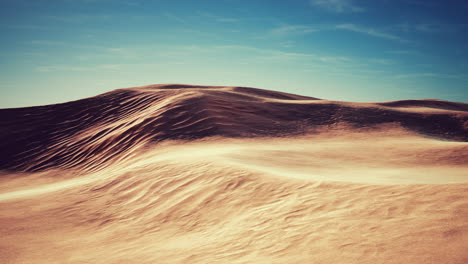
(178, 173)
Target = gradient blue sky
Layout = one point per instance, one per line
(59, 50)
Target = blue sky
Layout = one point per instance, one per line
(59, 50)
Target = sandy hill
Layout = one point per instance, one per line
(93, 131)
(195, 174)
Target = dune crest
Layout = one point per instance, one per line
(92, 132)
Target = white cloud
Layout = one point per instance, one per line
(293, 30)
(274, 54)
(402, 52)
(288, 44)
(368, 31)
(54, 68)
(226, 19)
(337, 6)
(334, 59)
(79, 18)
(48, 42)
(428, 28)
(265, 53)
(29, 27)
(173, 17)
(432, 75)
(218, 18)
(382, 61)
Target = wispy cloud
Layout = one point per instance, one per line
(226, 19)
(288, 44)
(48, 42)
(432, 75)
(68, 45)
(105, 52)
(218, 18)
(123, 2)
(297, 30)
(402, 52)
(369, 31)
(381, 61)
(79, 18)
(429, 28)
(23, 54)
(55, 68)
(333, 59)
(29, 27)
(337, 6)
(287, 30)
(265, 53)
(276, 54)
(423, 3)
(173, 17)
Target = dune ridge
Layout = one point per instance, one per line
(92, 132)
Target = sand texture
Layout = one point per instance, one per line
(199, 174)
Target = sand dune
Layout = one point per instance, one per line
(196, 174)
(94, 131)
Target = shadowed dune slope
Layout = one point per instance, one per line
(95, 131)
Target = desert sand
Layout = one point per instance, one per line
(200, 174)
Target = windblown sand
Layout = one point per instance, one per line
(322, 188)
